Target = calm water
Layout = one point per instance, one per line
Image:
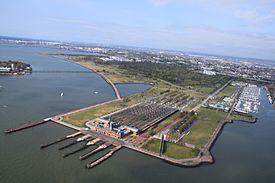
(127, 89)
(244, 152)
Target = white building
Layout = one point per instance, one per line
(5, 69)
(211, 73)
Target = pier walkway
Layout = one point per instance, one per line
(27, 125)
(110, 83)
(60, 140)
(103, 158)
(105, 78)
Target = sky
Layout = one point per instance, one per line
(242, 28)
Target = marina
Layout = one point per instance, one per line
(248, 101)
(90, 141)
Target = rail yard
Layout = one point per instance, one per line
(175, 124)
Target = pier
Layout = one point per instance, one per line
(103, 158)
(27, 125)
(60, 140)
(100, 148)
(80, 139)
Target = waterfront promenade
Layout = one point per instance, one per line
(103, 77)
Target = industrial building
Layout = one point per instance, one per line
(132, 120)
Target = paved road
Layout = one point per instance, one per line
(104, 77)
(210, 96)
(111, 83)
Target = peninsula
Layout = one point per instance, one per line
(176, 120)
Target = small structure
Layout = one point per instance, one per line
(210, 73)
(5, 69)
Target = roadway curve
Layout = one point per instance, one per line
(103, 76)
(110, 83)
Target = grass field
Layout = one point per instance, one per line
(80, 118)
(243, 117)
(112, 72)
(171, 149)
(271, 89)
(205, 90)
(201, 131)
(227, 91)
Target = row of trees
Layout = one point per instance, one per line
(177, 74)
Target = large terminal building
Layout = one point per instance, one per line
(135, 119)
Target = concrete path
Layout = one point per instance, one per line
(211, 95)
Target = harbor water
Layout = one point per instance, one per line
(243, 152)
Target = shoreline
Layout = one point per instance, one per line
(118, 96)
(204, 157)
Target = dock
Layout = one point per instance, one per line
(80, 139)
(103, 158)
(27, 125)
(60, 140)
(83, 138)
(100, 148)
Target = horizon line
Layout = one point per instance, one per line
(129, 46)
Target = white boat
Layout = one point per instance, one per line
(95, 92)
(62, 94)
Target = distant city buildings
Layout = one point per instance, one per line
(209, 65)
(211, 73)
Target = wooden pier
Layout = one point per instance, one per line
(27, 125)
(103, 158)
(100, 148)
(60, 140)
(80, 139)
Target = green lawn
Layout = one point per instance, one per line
(227, 91)
(201, 131)
(171, 149)
(242, 117)
(205, 90)
(80, 118)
